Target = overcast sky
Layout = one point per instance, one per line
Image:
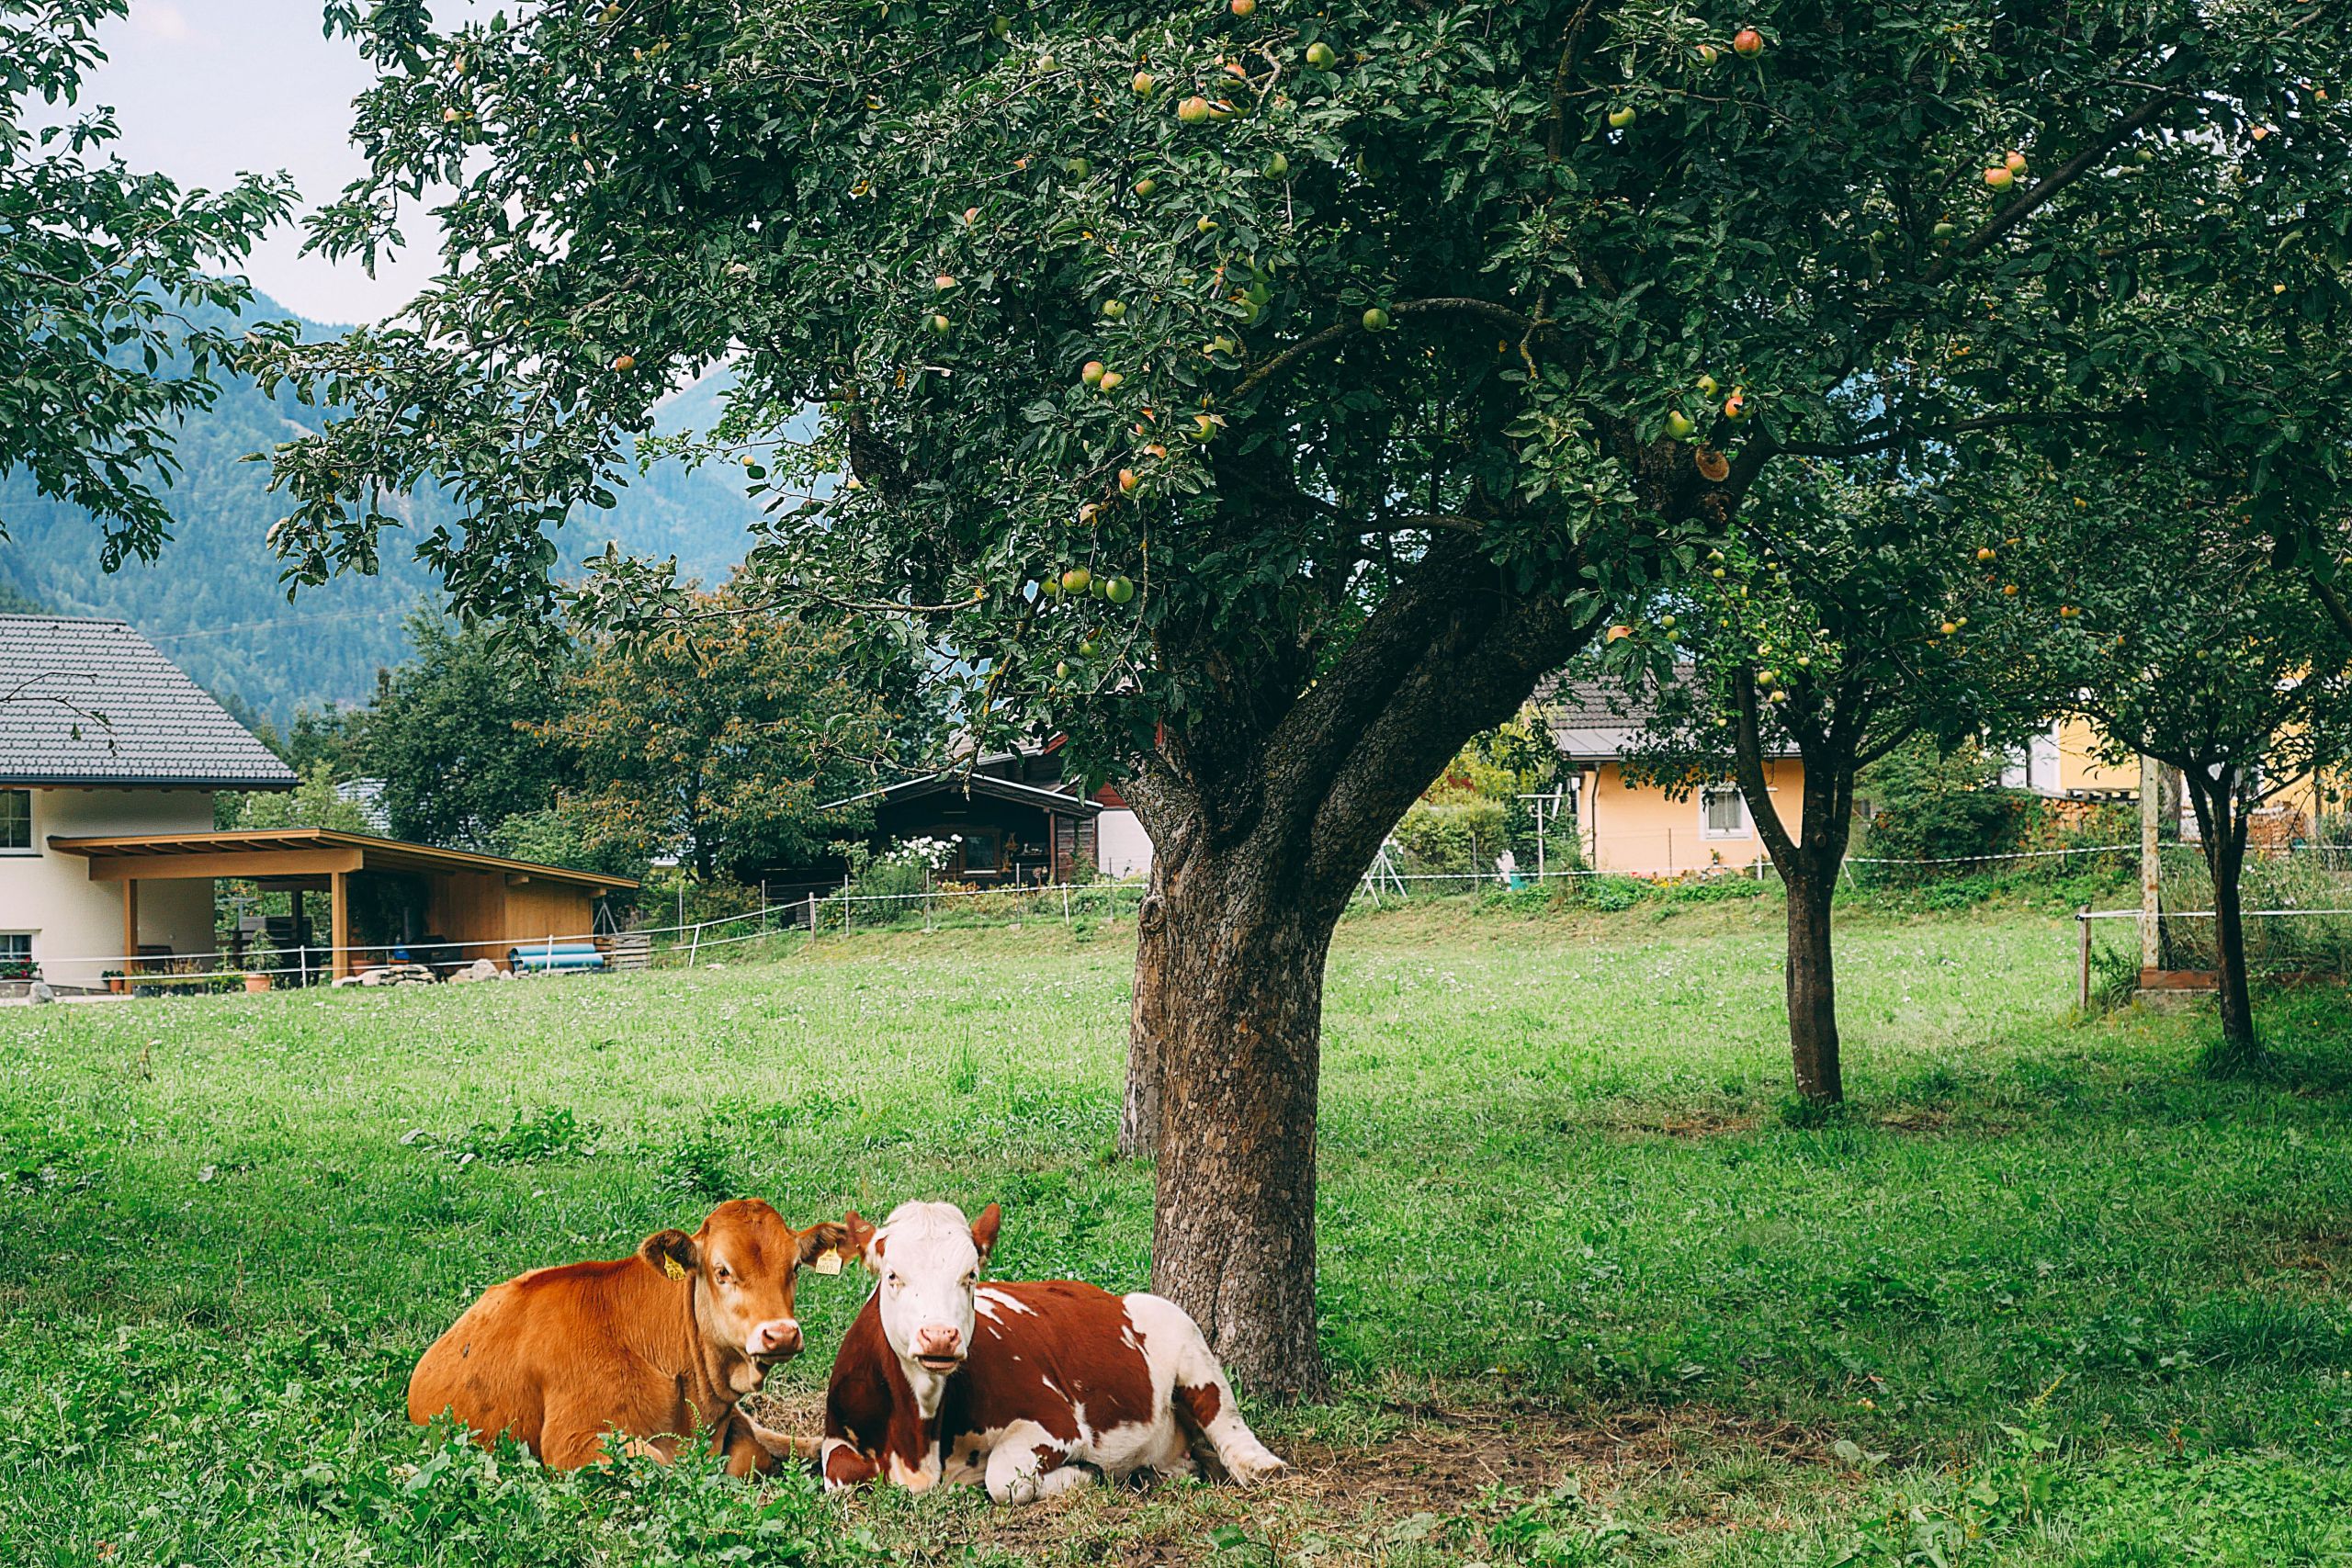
(206, 89)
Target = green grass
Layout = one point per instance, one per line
(1594, 1290)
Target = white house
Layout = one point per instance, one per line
(100, 735)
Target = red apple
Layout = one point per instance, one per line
(1747, 43)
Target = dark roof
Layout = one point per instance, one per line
(1598, 721)
(958, 781)
(86, 701)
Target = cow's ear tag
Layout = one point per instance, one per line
(828, 1261)
(671, 1267)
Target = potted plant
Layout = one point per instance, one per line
(117, 981)
(261, 958)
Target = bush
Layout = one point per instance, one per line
(1934, 807)
(1454, 837)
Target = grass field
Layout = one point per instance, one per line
(1594, 1291)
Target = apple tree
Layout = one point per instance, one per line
(1846, 613)
(1366, 357)
(109, 286)
(2192, 644)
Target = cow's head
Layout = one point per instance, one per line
(744, 1259)
(929, 1259)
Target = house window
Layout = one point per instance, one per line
(1721, 813)
(15, 822)
(983, 849)
(16, 956)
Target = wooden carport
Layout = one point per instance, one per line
(478, 906)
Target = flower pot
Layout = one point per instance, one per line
(119, 985)
(256, 982)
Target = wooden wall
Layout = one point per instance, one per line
(481, 910)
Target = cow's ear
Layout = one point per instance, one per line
(857, 1238)
(824, 1246)
(672, 1251)
(984, 1230)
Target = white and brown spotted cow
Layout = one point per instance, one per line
(1032, 1389)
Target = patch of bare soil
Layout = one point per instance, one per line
(1682, 1123)
(1363, 1498)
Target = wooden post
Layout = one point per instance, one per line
(130, 925)
(1064, 905)
(2082, 983)
(339, 923)
(2151, 897)
(812, 916)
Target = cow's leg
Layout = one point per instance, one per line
(1029, 1462)
(742, 1444)
(842, 1465)
(1202, 1403)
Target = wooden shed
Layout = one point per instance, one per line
(446, 906)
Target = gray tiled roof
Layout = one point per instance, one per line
(1597, 721)
(86, 702)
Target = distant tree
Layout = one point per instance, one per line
(461, 735)
(718, 740)
(1849, 614)
(105, 274)
(2195, 648)
(1931, 802)
(1363, 343)
(312, 803)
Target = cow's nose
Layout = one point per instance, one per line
(940, 1339)
(777, 1337)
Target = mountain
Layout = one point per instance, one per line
(213, 601)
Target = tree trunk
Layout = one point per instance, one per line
(2223, 819)
(1810, 977)
(1265, 808)
(1808, 868)
(2225, 860)
(1229, 996)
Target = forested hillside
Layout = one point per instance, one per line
(214, 602)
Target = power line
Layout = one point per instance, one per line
(281, 621)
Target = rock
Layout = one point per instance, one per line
(40, 992)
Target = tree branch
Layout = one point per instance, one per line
(1314, 342)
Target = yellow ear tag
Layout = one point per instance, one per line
(827, 1262)
(671, 1267)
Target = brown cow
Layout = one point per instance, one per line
(1030, 1389)
(652, 1347)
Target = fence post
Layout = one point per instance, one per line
(692, 948)
(2083, 984)
(812, 916)
(1065, 905)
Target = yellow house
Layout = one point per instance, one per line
(1641, 829)
(1646, 830)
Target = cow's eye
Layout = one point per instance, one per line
(723, 1274)
(970, 1280)
(892, 1280)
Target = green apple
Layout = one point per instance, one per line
(1119, 590)
(1679, 425)
(1375, 319)
(1321, 56)
(1193, 110)
(1093, 373)
(1619, 119)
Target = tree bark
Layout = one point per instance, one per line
(1229, 994)
(1810, 979)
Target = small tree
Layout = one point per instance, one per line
(718, 740)
(458, 735)
(2194, 649)
(1848, 617)
(108, 279)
